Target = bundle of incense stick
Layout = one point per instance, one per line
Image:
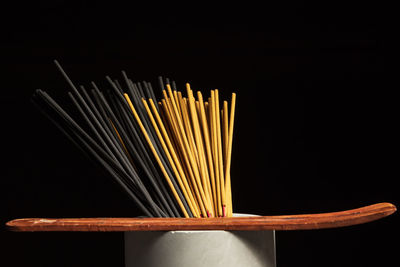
(172, 157)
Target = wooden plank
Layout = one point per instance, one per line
(282, 222)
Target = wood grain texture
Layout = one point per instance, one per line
(282, 222)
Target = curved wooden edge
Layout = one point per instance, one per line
(282, 222)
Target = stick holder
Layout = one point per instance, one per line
(175, 242)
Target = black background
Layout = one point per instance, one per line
(315, 126)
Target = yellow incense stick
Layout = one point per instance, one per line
(225, 128)
(199, 143)
(168, 151)
(229, 152)
(203, 152)
(215, 152)
(194, 149)
(206, 135)
(157, 157)
(219, 153)
(174, 150)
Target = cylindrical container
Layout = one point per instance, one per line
(200, 248)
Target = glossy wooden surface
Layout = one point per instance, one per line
(282, 222)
